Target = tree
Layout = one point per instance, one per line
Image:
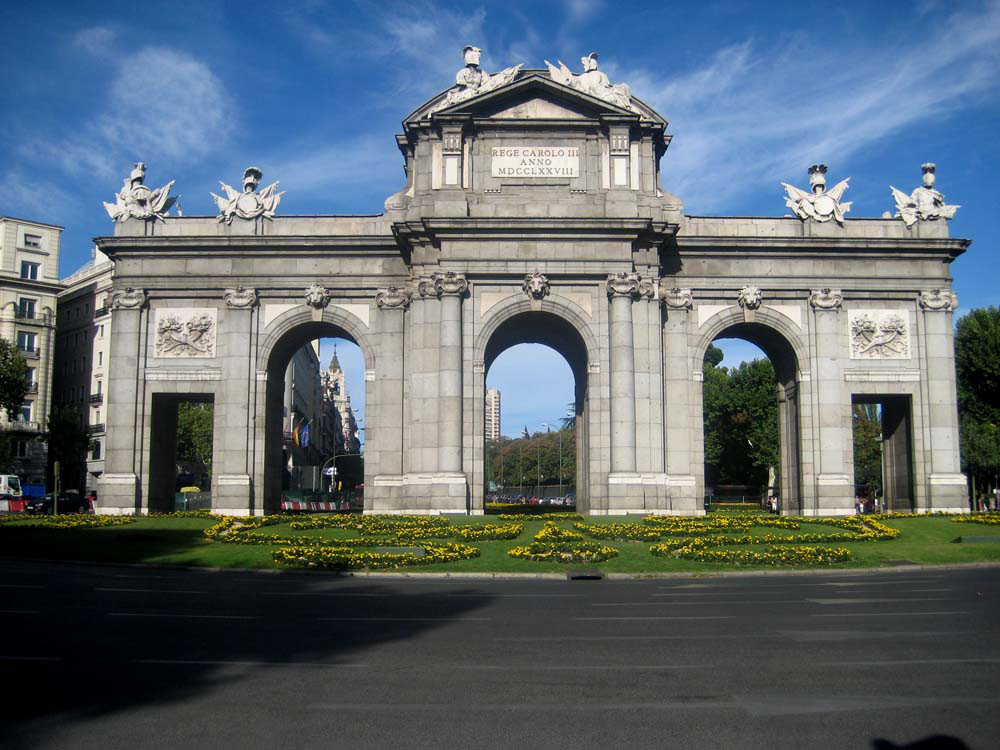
(977, 364)
(194, 433)
(867, 422)
(741, 421)
(68, 443)
(14, 382)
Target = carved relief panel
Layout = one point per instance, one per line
(879, 334)
(185, 332)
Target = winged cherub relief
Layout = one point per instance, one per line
(821, 204)
(248, 204)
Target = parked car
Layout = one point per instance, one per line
(69, 502)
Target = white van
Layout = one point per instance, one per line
(10, 487)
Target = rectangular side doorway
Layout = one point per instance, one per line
(180, 449)
(890, 474)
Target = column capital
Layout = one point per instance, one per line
(676, 298)
(128, 299)
(826, 299)
(393, 298)
(450, 284)
(629, 285)
(242, 297)
(938, 300)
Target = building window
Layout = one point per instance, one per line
(26, 411)
(95, 453)
(26, 341)
(29, 270)
(31, 376)
(100, 358)
(20, 449)
(26, 308)
(33, 240)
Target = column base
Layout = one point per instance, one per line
(430, 493)
(834, 496)
(949, 493)
(118, 495)
(232, 496)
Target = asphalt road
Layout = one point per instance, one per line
(123, 657)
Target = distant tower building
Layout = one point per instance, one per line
(492, 414)
(335, 390)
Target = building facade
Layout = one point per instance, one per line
(29, 286)
(492, 425)
(534, 211)
(302, 422)
(83, 335)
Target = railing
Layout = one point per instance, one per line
(24, 314)
(96, 398)
(101, 311)
(20, 425)
(32, 388)
(95, 428)
(30, 353)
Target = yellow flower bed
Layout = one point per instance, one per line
(67, 521)
(489, 532)
(621, 532)
(565, 552)
(987, 519)
(552, 533)
(343, 558)
(798, 556)
(540, 516)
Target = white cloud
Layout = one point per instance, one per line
(95, 40)
(345, 164)
(764, 114)
(162, 106)
(31, 197)
(583, 10)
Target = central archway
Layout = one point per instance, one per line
(785, 361)
(523, 325)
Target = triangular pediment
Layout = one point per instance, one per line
(532, 96)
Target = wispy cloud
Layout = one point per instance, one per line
(162, 105)
(28, 196)
(95, 40)
(745, 113)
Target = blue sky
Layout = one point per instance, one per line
(313, 93)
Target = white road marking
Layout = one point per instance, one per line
(407, 619)
(890, 614)
(236, 663)
(181, 616)
(883, 600)
(683, 604)
(598, 667)
(664, 617)
(153, 591)
(904, 662)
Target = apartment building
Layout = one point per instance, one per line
(82, 348)
(29, 287)
(492, 414)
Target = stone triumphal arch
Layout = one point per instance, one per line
(533, 211)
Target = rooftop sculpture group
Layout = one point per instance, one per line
(136, 201)
(821, 204)
(249, 204)
(924, 203)
(592, 82)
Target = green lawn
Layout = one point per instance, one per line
(181, 541)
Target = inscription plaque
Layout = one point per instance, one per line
(535, 161)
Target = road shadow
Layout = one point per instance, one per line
(111, 640)
(932, 742)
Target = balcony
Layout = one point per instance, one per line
(32, 388)
(94, 429)
(96, 398)
(22, 426)
(100, 312)
(29, 353)
(24, 314)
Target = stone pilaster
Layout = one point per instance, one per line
(118, 487)
(388, 420)
(681, 418)
(451, 288)
(622, 288)
(947, 485)
(835, 473)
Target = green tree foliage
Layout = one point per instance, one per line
(194, 433)
(68, 444)
(535, 457)
(741, 421)
(867, 421)
(977, 361)
(13, 379)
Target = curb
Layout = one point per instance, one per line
(467, 576)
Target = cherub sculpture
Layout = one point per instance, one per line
(923, 204)
(593, 82)
(248, 204)
(821, 204)
(136, 201)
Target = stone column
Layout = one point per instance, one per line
(622, 288)
(834, 475)
(948, 488)
(387, 420)
(118, 487)
(452, 288)
(681, 419)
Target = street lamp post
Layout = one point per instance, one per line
(538, 457)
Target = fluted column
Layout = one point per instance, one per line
(622, 288)
(451, 287)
